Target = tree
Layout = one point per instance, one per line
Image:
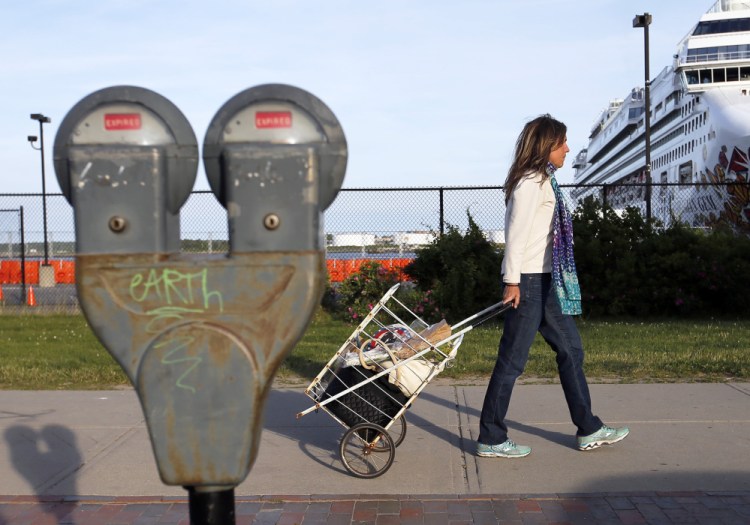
(460, 271)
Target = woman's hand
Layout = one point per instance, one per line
(512, 294)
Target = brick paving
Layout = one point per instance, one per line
(698, 507)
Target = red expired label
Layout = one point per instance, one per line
(120, 121)
(273, 119)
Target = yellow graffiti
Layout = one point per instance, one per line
(180, 343)
(178, 294)
(174, 287)
(167, 312)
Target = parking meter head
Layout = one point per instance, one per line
(276, 115)
(135, 116)
(124, 155)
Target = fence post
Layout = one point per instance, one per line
(442, 211)
(23, 258)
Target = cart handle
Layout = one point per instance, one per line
(486, 314)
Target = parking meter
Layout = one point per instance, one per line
(200, 336)
(275, 156)
(126, 159)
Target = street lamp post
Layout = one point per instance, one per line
(42, 120)
(644, 21)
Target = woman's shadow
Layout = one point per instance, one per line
(48, 459)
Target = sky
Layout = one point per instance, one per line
(428, 92)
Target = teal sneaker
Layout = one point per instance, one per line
(604, 436)
(504, 450)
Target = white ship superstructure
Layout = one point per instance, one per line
(700, 130)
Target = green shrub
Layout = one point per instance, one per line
(607, 256)
(359, 292)
(627, 266)
(420, 302)
(461, 272)
(696, 272)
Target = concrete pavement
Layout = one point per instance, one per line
(686, 439)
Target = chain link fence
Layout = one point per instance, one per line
(362, 223)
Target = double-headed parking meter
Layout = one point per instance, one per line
(200, 337)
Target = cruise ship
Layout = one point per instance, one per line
(700, 131)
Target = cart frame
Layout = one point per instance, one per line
(368, 447)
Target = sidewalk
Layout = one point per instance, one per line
(85, 458)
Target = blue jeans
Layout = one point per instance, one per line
(539, 310)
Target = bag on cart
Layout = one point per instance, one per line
(408, 377)
(375, 402)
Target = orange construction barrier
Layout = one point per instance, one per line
(11, 272)
(65, 271)
(1, 292)
(335, 270)
(69, 272)
(30, 297)
(341, 269)
(32, 272)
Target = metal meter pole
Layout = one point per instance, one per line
(211, 508)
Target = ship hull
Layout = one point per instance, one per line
(700, 135)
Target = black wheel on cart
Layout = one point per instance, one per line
(397, 430)
(367, 450)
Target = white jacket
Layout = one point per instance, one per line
(528, 228)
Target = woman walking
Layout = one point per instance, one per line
(540, 280)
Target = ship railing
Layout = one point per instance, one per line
(716, 57)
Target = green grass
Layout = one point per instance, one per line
(632, 351)
(53, 352)
(60, 352)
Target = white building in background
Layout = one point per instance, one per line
(413, 238)
(400, 239)
(352, 239)
(495, 236)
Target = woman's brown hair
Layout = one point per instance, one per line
(536, 141)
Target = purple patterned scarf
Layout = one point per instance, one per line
(564, 276)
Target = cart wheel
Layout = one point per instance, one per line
(367, 450)
(398, 430)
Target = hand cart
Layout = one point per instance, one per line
(378, 373)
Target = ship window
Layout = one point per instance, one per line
(635, 112)
(730, 53)
(705, 76)
(712, 27)
(691, 77)
(745, 73)
(705, 54)
(719, 75)
(733, 74)
(686, 172)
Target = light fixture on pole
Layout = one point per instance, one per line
(32, 139)
(644, 21)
